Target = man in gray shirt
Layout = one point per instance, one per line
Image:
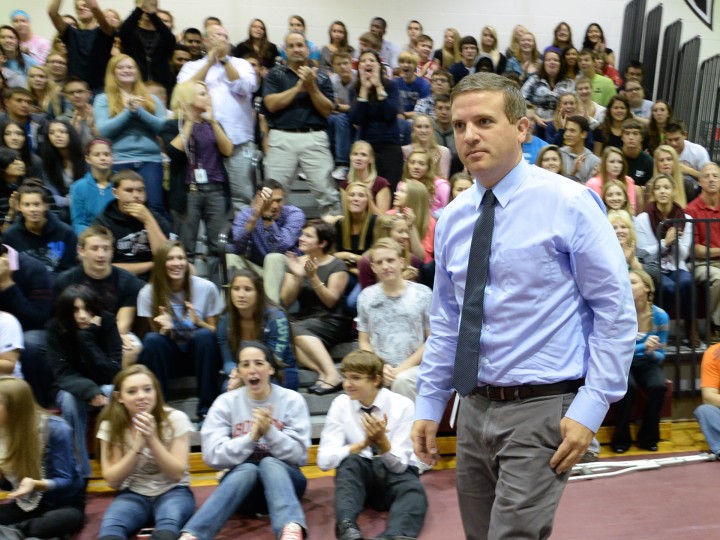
(578, 161)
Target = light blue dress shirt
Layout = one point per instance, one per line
(558, 303)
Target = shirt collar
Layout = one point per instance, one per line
(378, 403)
(505, 188)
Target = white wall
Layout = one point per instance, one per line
(468, 16)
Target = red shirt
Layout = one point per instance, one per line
(699, 210)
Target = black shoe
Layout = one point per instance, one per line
(320, 390)
(650, 447)
(348, 530)
(620, 448)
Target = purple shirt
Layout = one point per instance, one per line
(203, 153)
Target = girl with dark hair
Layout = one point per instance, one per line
(595, 41)
(91, 194)
(338, 37)
(570, 63)
(252, 316)
(258, 43)
(143, 447)
(317, 281)
(47, 492)
(63, 160)
(12, 135)
(374, 111)
(182, 310)
(562, 37)
(85, 352)
(260, 433)
(660, 115)
(610, 131)
(16, 60)
(544, 88)
(12, 171)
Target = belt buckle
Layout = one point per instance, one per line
(193, 187)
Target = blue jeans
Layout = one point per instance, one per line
(340, 132)
(708, 416)
(74, 411)
(168, 359)
(152, 173)
(130, 511)
(671, 281)
(271, 485)
(36, 370)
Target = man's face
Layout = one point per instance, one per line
(129, 192)
(424, 49)
(295, 25)
(469, 52)
(19, 106)
(179, 59)
(442, 112)
(96, 255)
(574, 135)
(709, 179)
(440, 85)
(166, 19)
(57, 66)
(377, 28)
(343, 67)
(276, 203)
(407, 67)
(194, 43)
(676, 139)
(21, 24)
(586, 63)
(33, 208)
(387, 265)
(360, 387)
(296, 49)
(413, 30)
(216, 36)
(633, 73)
(488, 144)
(77, 94)
(631, 138)
(82, 10)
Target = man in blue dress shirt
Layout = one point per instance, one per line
(558, 329)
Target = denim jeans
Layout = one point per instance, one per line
(168, 359)
(708, 417)
(74, 411)
(152, 173)
(239, 167)
(130, 511)
(271, 485)
(340, 132)
(36, 370)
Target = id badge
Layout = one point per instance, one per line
(201, 176)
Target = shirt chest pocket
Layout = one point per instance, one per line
(528, 273)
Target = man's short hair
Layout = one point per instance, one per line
(73, 79)
(192, 30)
(364, 362)
(385, 243)
(632, 123)
(371, 39)
(424, 38)
(468, 40)
(273, 184)
(95, 230)
(490, 82)
(33, 186)
(126, 174)
(325, 233)
(382, 22)
(443, 98)
(674, 125)
(581, 121)
(340, 55)
(181, 47)
(636, 64)
(586, 52)
(407, 56)
(444, 73)
(416, 22)
(14, 90)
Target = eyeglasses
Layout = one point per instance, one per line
(636, 89)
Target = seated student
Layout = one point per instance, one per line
(568, 105)
(421, 167)
(444, 133)
(609, 133)
(117, 289)
(317, 281)
(40, 233)
(143, 446)
(635, 257)
(18, 108)
(38, 467)
(11, 345)
(343, 80)
(640, 163)
(440, 85)
(263, 232)
(84, 350)
(48, 100)
(366, 439)
(615, 197)
(138, 230)
(12, 173)
(412, 200)
(182, 311)
(393, 318)
(192, 38)
(90, 195)
(602, 87)
(708, 413)
(614, 167)
(251, 316)
(593, 112)
(450, 51)
(466, 65)
(639, 106)
(550, 159)
(398, 229)
(261, 434)
(13, 137)
(80, 112)
(692, 156)
(423, 138)
(363, 170)
(427, 65)
(645, 370)
(578, 161)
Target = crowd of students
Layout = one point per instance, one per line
(104, 300)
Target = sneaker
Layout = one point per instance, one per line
(292, 531)
(348, 530)
(589, 457)
(340, 172)
(187, 536)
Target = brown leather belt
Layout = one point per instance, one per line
(527, 391)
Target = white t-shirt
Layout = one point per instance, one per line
(694, 155)
(11, 338)
(147, 479)
(205, 299)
